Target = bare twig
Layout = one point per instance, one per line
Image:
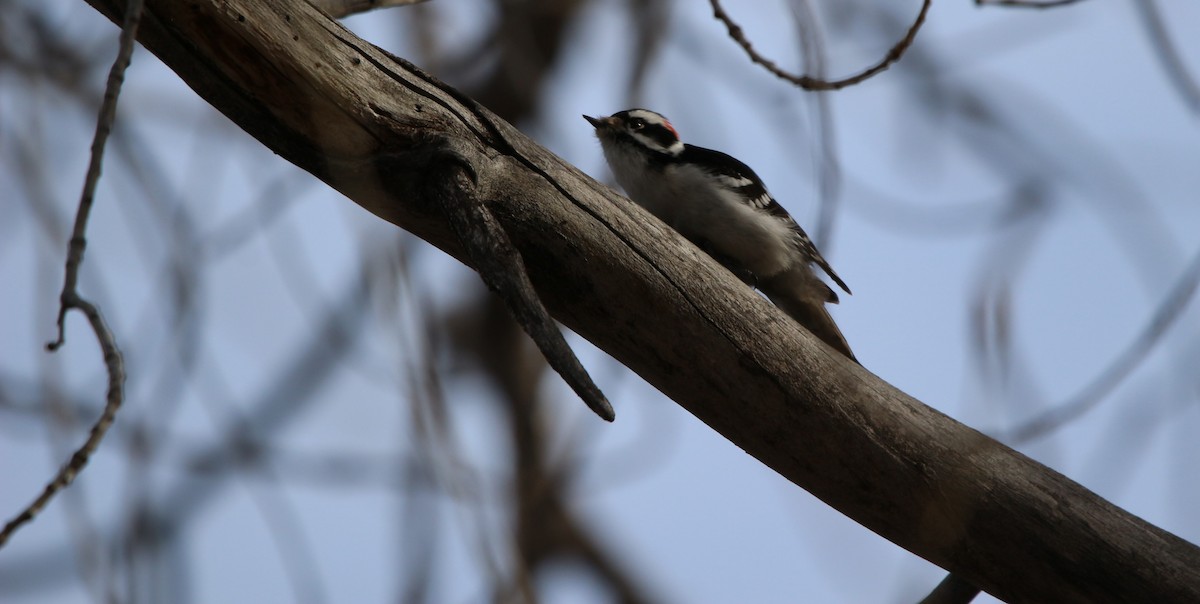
(500, 266)
(814, 83)
(70, 298)
(1170, 310)
(1025, 3)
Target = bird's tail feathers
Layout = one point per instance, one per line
(803, 298)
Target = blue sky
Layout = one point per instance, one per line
(1073, 102)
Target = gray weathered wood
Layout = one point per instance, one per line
(373, 126)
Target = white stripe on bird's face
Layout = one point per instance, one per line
(651, 129)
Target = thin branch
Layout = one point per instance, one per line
(1170, 310)
(1025, 3)
(500, 266)
(814, 83)
(70, 298)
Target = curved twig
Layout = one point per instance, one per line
(811, 83)
(70, 298)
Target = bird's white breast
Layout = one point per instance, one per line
(702, 208)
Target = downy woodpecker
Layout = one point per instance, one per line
(722, 206)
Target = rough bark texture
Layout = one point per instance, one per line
(373, 126)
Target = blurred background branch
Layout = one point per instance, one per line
(1015, 196)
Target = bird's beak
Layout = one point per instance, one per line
(599, 122)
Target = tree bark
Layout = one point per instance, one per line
(374, 127)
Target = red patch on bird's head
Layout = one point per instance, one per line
(666, 124)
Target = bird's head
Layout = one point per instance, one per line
(641, 127)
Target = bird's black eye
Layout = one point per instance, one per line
(637, 123)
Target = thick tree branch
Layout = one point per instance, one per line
(374, 127)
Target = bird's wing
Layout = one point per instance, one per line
(740, 179)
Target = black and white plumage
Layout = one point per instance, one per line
(723, 207)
